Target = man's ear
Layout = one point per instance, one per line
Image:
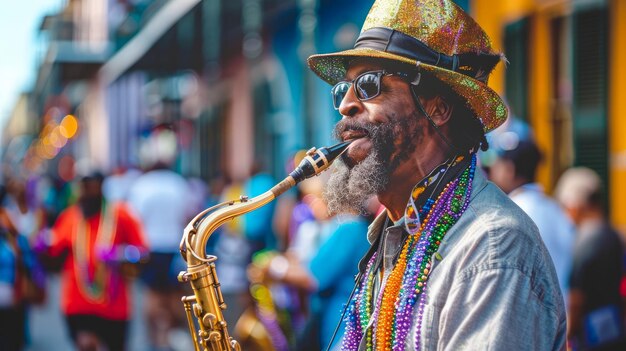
(439, 110)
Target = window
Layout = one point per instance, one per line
(516, 50)
(590, 34)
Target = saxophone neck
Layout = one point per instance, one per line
(200, 230)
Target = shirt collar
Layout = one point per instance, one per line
(375, 228)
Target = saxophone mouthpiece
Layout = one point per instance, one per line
(318, 160)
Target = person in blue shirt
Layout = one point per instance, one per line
(257, 225)
(16, 263)
(329, 277)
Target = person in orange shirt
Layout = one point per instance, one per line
(97, 241)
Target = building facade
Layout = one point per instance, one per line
(565, 78)
(227, 78)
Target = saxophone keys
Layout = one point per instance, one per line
(208, 320)
(235, 345)
(183, 277)
(197, 310)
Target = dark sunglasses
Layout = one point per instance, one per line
(366, 86)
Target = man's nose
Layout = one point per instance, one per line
(350, 105)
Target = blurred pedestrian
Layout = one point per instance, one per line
(595, 310)
(311, 221)
(501, 138)
(25, 210)
(29, 217)
(161, 198)
(96, 241)
(514, 171)
(328, 277)
(16, 265)
(118, 184)
(332, 273)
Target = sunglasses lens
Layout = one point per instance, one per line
(368, 86)
(339, 92)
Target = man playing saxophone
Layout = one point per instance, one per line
(453, 264)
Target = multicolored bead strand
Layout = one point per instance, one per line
(406, 284)
(93, 286)
(385, 318)
(360, 311)
(416, 274)
(266, 312)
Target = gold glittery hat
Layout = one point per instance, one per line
(435, 36)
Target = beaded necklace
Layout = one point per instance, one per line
(92, 287)
(265, 308)
(393, 310)
(267, 314)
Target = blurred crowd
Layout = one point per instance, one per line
(101, 233)
(282, 277)
(587, 252)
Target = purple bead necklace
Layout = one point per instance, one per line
(422, 244)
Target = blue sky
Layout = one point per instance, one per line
(19, 23)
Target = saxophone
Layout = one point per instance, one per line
(207, 302)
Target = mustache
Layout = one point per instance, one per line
(346, 125)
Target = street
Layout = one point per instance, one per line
(49, 333)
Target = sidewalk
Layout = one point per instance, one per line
(47, 325)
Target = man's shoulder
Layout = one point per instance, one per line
(495, 209)
(495, 235)
(494, 230)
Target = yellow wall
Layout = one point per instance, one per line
(540, 94)
(617, 115)
(493, 16)
(488, 14)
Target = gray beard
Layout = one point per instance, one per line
(348, 189)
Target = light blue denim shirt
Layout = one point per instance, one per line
(495, 287)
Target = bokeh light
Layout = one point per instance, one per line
(68, 126)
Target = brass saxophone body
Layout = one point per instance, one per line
(207, 302)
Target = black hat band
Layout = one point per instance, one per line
(477, 66)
